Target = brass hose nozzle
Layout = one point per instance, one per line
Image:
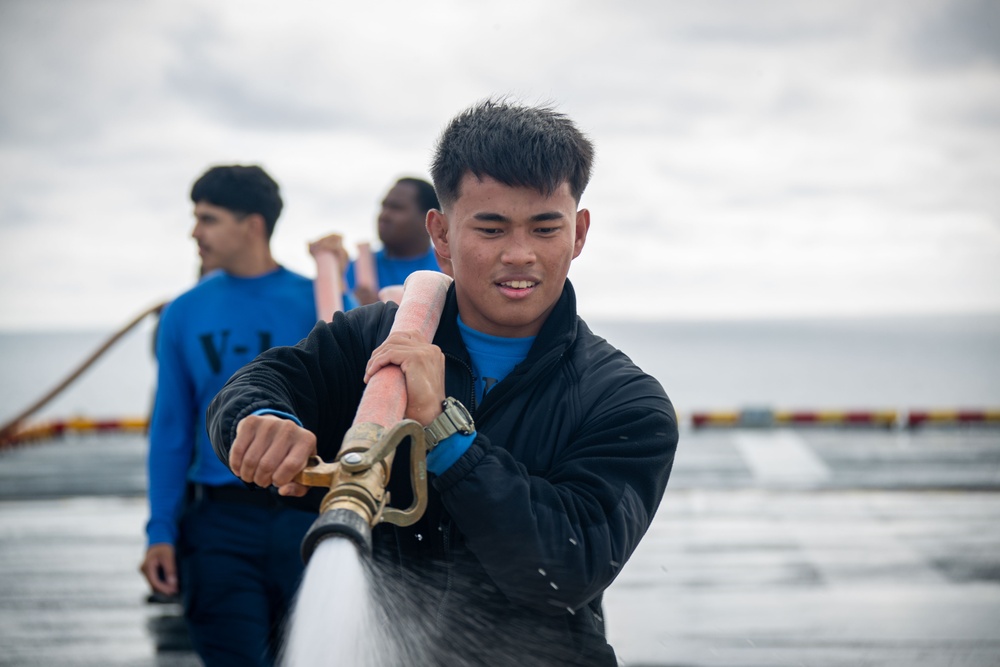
(358, 499)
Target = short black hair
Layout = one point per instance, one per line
(241, 189)
(426, 197)
(519, 146)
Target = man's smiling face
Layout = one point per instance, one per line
(510, 250)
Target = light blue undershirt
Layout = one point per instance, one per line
(493, 358)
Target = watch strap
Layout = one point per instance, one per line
(454, 418)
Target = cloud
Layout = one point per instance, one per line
(958, 34)
(769, 157)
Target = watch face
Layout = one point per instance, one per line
(459, 416)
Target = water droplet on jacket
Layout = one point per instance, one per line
(419, 537)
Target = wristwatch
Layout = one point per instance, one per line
(454, 419)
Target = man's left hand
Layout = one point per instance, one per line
(422, 364)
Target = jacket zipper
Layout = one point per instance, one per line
(446, 524)
(472, 376)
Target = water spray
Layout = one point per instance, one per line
(358, 499)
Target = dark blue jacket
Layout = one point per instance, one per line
(526, 530)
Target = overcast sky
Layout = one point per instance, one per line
(754, 159)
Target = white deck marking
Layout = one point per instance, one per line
(780, 456)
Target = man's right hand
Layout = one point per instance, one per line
(160, 568)
(271, 450)
(333, 243)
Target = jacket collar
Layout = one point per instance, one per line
(558, 332)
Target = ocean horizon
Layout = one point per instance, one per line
(892, 362)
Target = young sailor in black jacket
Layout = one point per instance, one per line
(535, 509)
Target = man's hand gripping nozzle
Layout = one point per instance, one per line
(357, 479)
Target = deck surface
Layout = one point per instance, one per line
(772, 547)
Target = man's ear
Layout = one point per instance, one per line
(255, 221)
(582, 227)
(437, 227)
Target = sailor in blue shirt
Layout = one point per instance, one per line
(406, 247)
(231, 552)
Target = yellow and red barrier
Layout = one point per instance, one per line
(918, 418)
(767, 418)
(710, 419)
(56, 428)
(751, 418)
(873, 418)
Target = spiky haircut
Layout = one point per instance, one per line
(519, 146)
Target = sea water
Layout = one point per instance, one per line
(119, 384)
(875, 363)
(866, 363)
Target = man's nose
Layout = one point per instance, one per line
(518, 250)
